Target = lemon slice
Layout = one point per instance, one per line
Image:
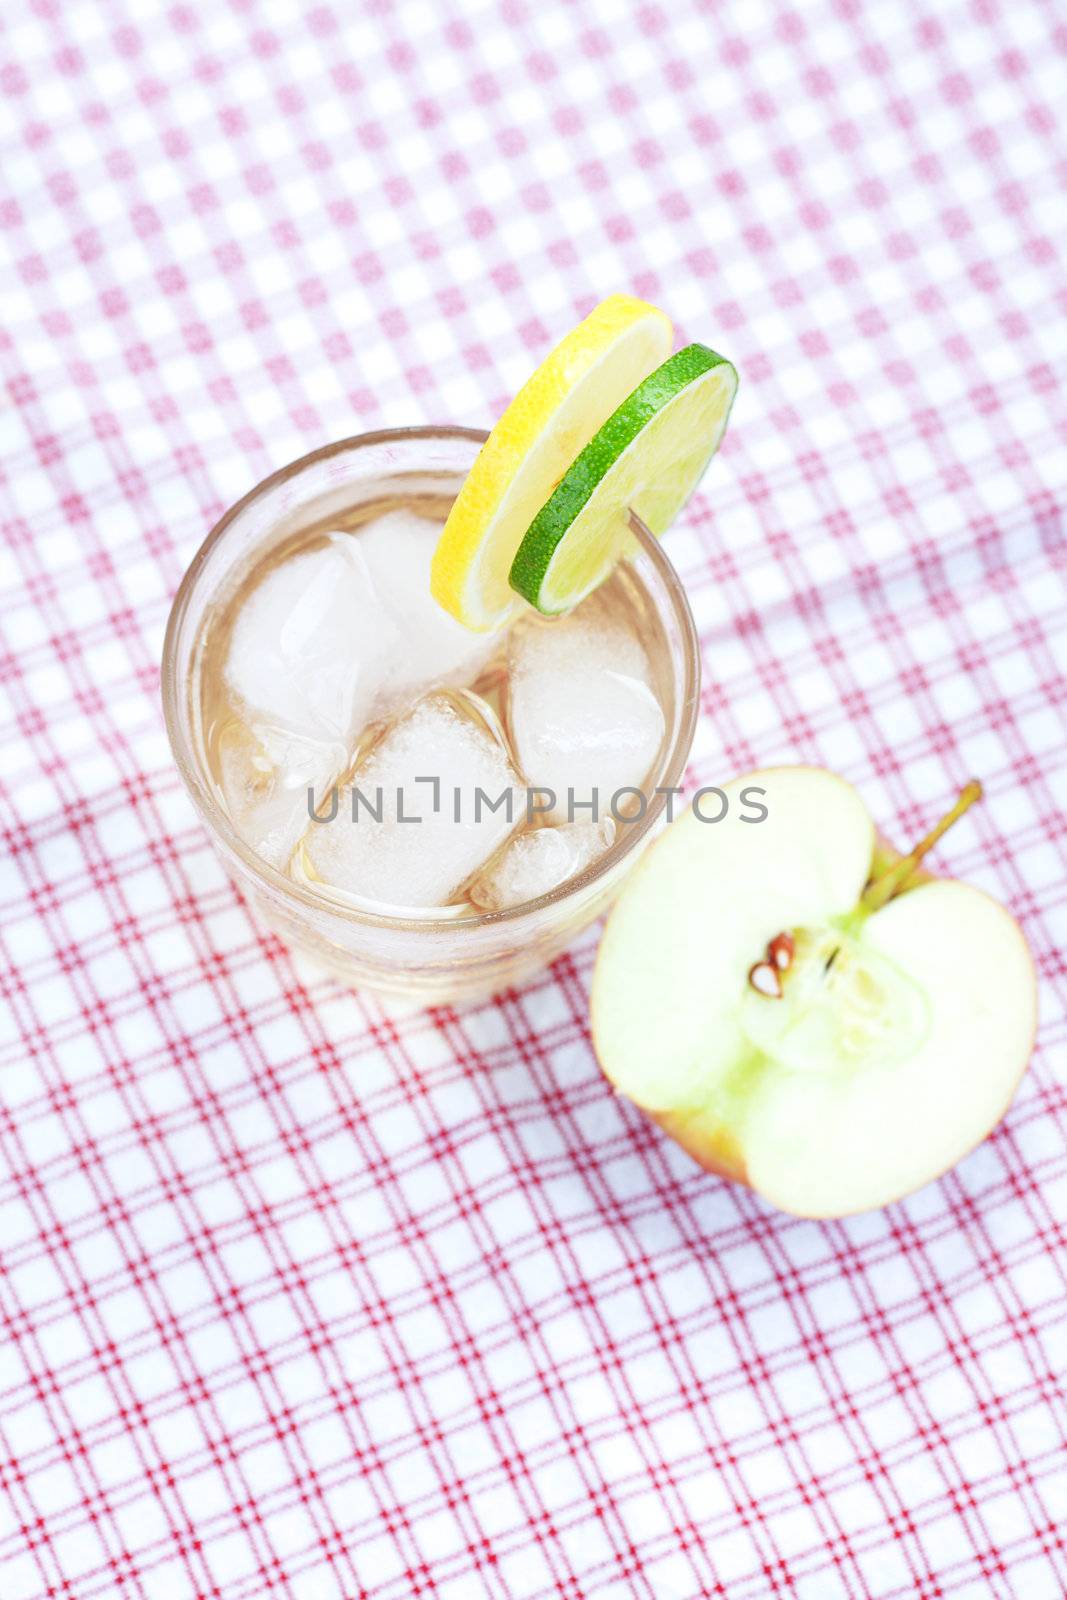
(551, 419)
(649, 456)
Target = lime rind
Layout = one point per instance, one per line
(637, 460)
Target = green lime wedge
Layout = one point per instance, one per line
(648, 457)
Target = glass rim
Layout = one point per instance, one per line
(218, 823)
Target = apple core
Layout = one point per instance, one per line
(842, 1008)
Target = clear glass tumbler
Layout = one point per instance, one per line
(430, 959)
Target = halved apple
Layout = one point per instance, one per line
(804, 1010)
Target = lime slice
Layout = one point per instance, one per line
(649, 456)
(552, 418)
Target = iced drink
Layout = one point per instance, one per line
(423, 807)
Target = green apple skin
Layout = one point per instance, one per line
(700, 1091)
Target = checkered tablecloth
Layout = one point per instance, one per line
(303, 1297)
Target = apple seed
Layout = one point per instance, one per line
(765, 980)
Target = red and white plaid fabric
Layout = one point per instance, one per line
(302, 1297)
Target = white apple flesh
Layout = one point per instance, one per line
(900, 1031)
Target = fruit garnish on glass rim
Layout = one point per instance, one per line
(610, 424)
(551, 419)
(806, 1012)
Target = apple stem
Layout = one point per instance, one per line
(892, 881)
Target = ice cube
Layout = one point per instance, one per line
(312, 644)
(264, 773)
(436, 649)
(399, 862)
(582, 713)
(537, 861)
(348, 632)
